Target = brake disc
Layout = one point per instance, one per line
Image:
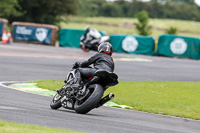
(80, 97)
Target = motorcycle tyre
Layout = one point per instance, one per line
(84, 49)
(91, 102)
(57, 104)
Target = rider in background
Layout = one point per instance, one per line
(91, 36)
(101, 61)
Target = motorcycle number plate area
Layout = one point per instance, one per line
(64, 98)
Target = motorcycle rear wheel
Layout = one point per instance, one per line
(91, 100)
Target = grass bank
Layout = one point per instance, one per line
(169, 98)
(12, 127)
(126, 26)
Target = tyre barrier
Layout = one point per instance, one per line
(34, 33)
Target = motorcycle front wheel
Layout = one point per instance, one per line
(90, 101)
(56, 102)
(84, 49)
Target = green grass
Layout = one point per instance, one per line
(12, 127)
(109, 31)
(49, 84)
(119, 25)
(169, 98)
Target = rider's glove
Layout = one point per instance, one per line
(77, 64)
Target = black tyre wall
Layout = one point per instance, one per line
(92, 101)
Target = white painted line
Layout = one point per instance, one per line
(4, 82)
(10, 108)
(3, 107)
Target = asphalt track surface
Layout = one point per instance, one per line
(25, 62)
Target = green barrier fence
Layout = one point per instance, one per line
(133, 44)
(179, 46)
(1, 29)
(71, 37)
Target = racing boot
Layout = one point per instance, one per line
(77, 81)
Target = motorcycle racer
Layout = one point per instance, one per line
(85, 85)
(101, 61)
(91, 36)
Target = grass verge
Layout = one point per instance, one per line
(180, 99)
(125, 25)
(12, 127)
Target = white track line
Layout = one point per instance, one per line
(168, 116)
(4, 82)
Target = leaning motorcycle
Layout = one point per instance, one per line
(88, 97)
(90, 44)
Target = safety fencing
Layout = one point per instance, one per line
(121, 43)
(168, 45)
(71, 37)
(133, 44)
(3, 26)
(179, 46)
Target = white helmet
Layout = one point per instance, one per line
(87, 28)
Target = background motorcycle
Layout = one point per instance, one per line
(93, 40)
(89, 96)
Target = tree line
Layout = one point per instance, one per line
(51, 11)
(38, 11)
(173, 9)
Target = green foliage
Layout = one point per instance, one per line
(8, 8)
(182, 11)
(99, 8)
(176, 9)
(171, 30)
(180, 1)
(50, 11)
(142, 24)
(88, 7)
(111, 9)
(44, 11)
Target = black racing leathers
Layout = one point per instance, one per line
(100, 61)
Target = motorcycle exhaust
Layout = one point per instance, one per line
(105, 99)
